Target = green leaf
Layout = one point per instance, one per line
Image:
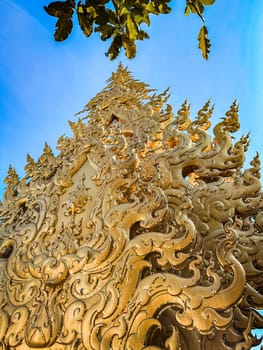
(163, 8)
(123, 11)
(106, 31)
(57, 8)
(64, 27)
(151, 8)
(115, 47)
(196, 7)
(142, 18)
(101, 14)
(187, 10)
(85, 20)
(112, 17)
(64, 11)
(142, 35)
(81, 8)
(204, 42)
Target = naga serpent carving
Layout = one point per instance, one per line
(143, 232)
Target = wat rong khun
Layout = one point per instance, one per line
(143, 233)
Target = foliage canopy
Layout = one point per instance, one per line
(120, 21)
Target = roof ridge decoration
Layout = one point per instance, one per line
(143, 232)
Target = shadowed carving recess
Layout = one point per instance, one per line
(144, 232)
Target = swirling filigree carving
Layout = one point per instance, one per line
(144, 232)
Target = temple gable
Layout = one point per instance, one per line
(143, 233)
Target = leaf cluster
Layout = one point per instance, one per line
(119, 20)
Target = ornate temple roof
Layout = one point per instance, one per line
(144, 232)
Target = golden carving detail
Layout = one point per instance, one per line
(144, 232)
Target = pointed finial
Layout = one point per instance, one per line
(182, 119)
(231, 119)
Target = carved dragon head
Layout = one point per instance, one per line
(144, 232)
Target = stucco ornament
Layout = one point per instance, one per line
(143, 232)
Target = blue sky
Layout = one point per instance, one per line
(43, 83)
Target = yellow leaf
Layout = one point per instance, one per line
(208, 2)
(204, 42)
(129, 46)
(132, 29)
